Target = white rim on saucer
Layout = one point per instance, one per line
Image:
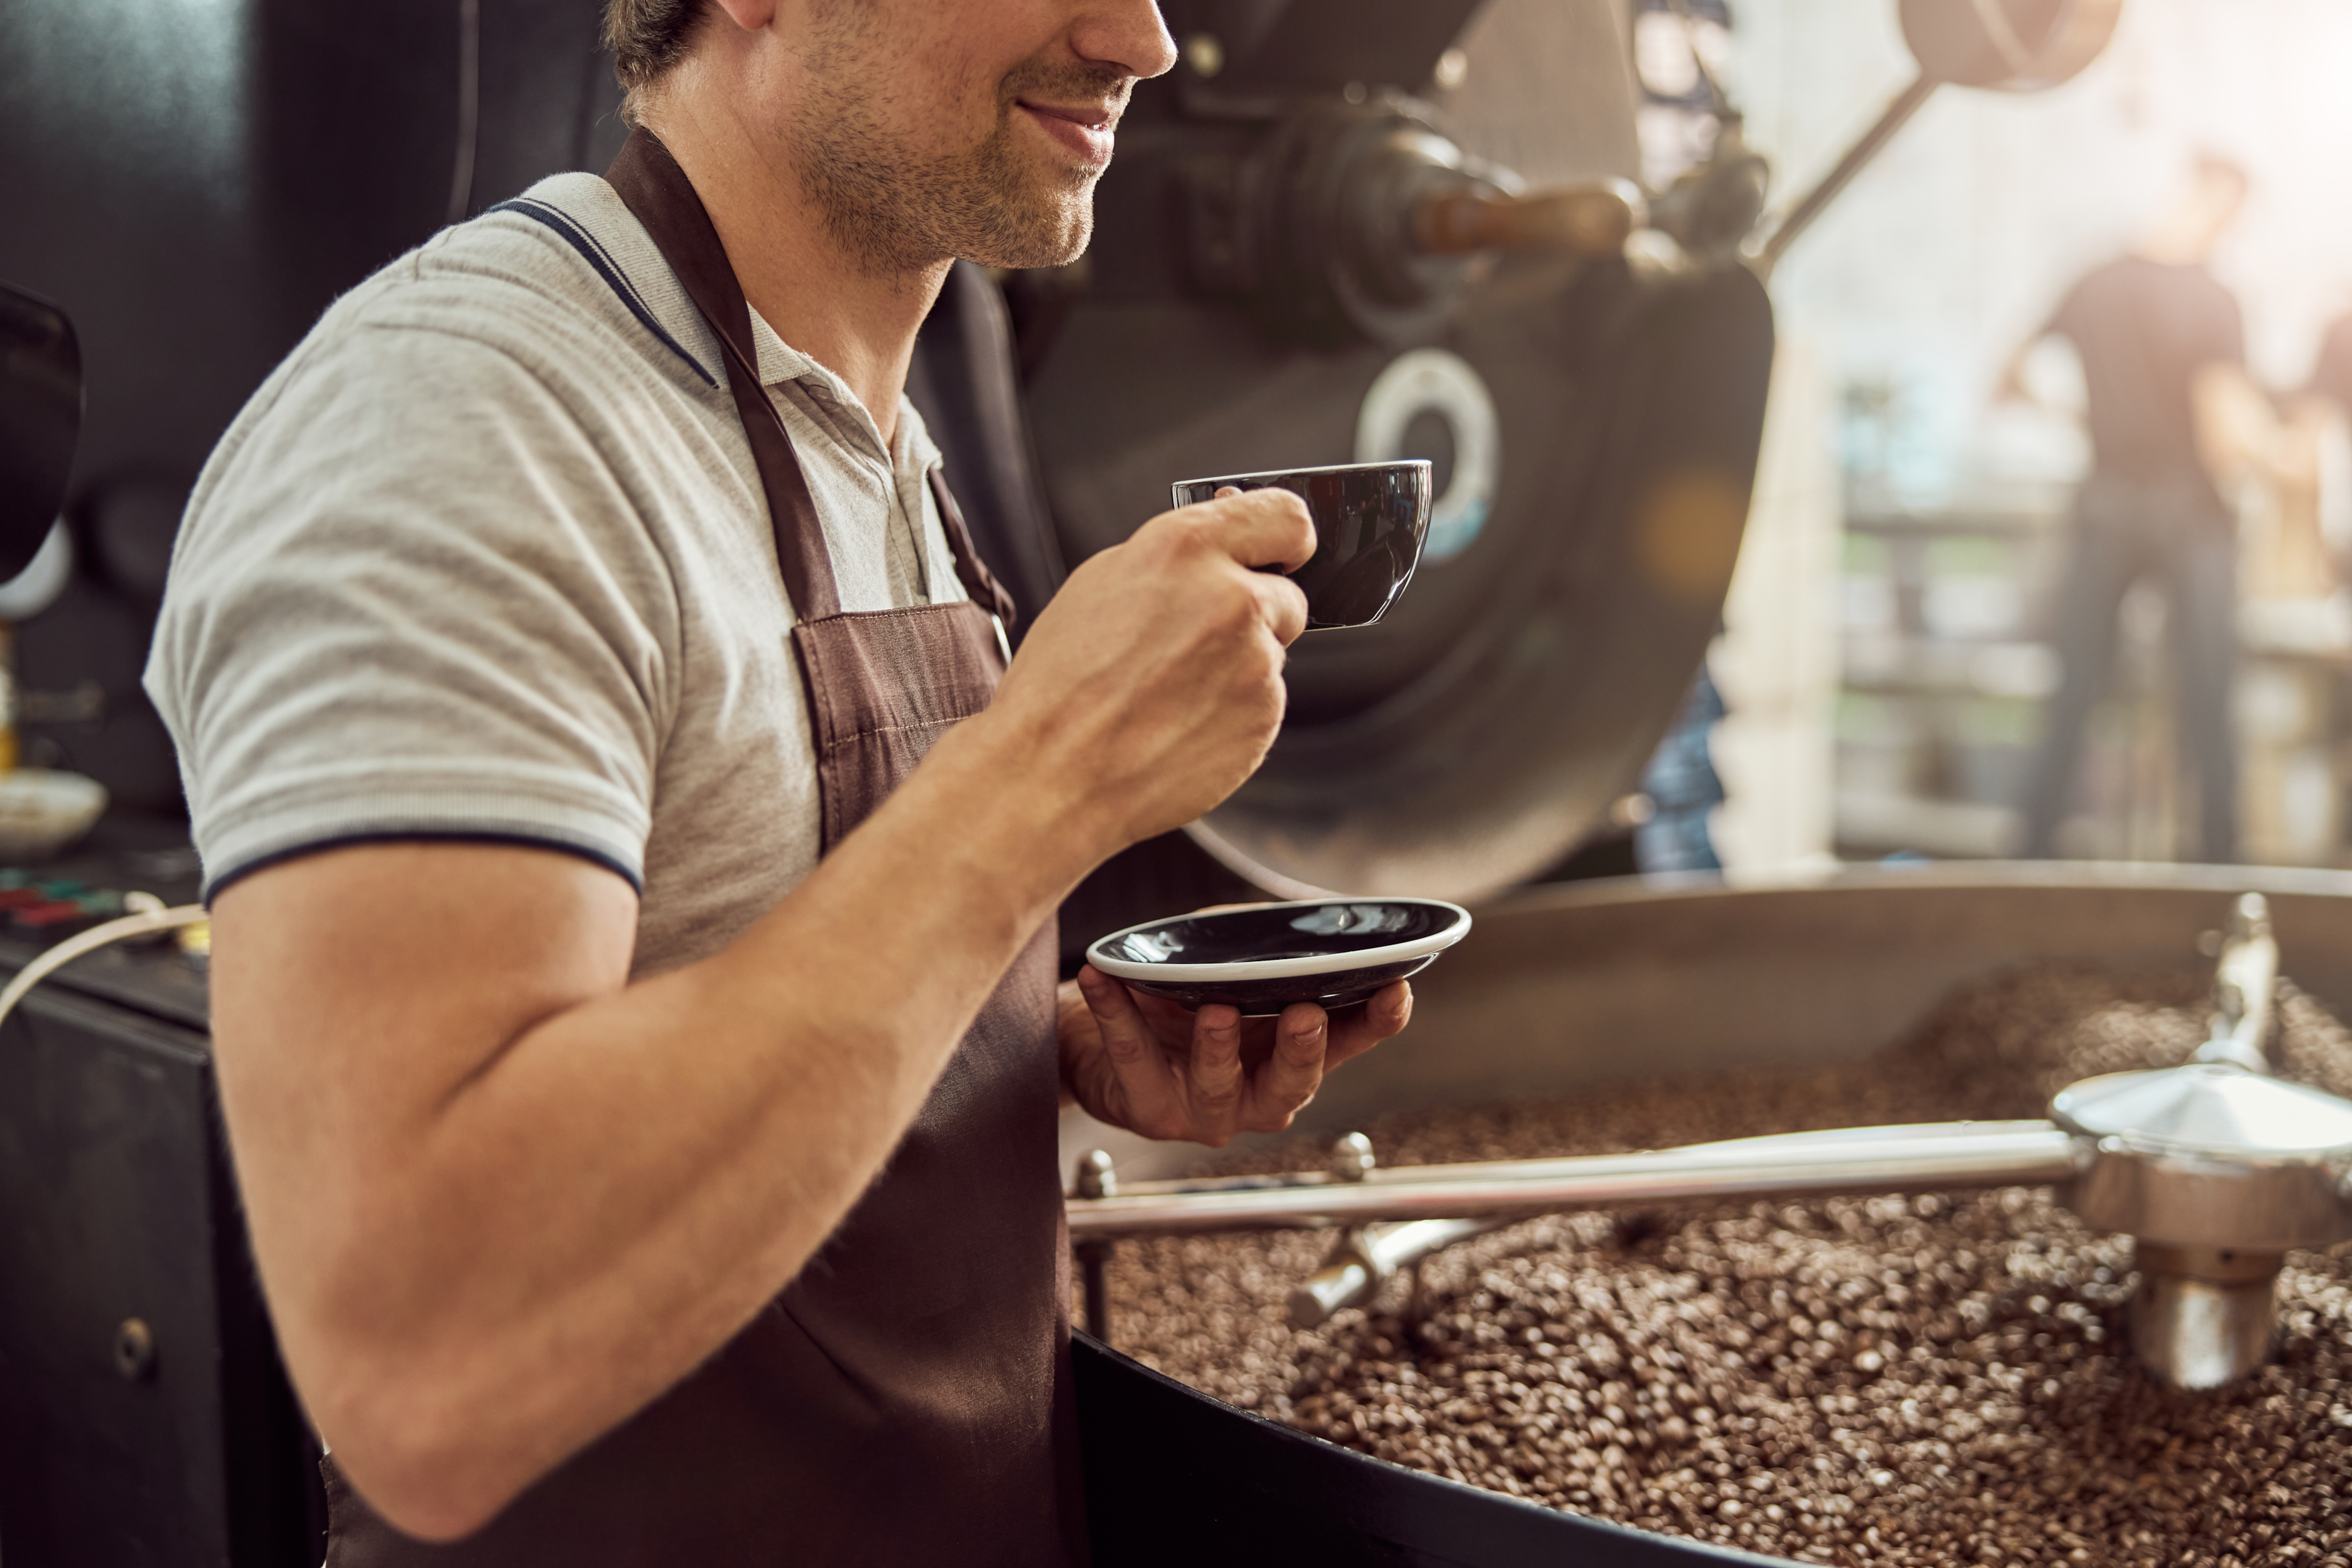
(1281, 968)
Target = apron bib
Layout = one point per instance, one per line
(907, 1400)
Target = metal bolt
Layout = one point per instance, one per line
(134, 1350)
(1097, 1178)
(1351, 1157)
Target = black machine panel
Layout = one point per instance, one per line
(144, 1418)
(193, 190)
(1262, 1495)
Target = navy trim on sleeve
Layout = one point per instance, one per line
(213, 885)
(606, 267)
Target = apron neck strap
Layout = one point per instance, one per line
(657, 192)
(978, 580)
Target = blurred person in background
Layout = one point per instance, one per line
(2319, 421)
(2331, 373)
(2173, 415)
(2321, 413)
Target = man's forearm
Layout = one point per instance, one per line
(2237, 427)
(558, 1225)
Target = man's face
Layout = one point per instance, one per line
(929, 129)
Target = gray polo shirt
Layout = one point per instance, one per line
(488, 557)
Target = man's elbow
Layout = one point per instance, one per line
(422, 1460)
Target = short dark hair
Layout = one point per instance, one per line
(647, 37)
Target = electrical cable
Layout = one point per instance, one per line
(469, 109)
(148, 917)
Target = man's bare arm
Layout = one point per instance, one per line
(501, 1198)
(2238, 429)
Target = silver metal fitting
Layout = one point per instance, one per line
(1351, 1157)
(1096, 1177)
(2215, 1169)
(2203, 1316)
(2245, 983)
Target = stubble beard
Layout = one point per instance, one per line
(897, 209)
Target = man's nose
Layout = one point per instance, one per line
(1128, 33)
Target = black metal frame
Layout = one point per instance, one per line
(1175, 1478)
(144, 1416)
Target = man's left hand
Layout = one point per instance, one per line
(1149, 1064)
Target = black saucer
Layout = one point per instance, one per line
(1260, 959)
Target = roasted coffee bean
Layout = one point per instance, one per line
(1935, 1380)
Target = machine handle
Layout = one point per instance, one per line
(1594, 219)
(1346, 1281)
(1367, 1258)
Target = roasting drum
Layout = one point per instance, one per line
(1566, 987)
(1479, 731)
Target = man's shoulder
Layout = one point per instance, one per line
(532, 347)
(562, 278)
(550, 319)
(2173, 280)
(2131, 288)
(2110, 280)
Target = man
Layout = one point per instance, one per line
(2170, 408)
(627, 1185)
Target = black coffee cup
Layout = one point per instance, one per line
(1370, 521)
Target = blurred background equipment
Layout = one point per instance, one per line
(1911, 293)
(2012, 47)
(40, 422)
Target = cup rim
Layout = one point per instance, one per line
(1326, 469)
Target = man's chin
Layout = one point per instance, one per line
(1043, 244)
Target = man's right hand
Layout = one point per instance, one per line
(1152, 683)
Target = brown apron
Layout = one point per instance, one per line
(907, 1400)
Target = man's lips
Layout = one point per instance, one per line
(1084, 129)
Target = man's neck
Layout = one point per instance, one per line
(824, 299)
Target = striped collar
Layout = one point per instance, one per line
(587, 215)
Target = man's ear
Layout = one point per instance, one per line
(752, 16)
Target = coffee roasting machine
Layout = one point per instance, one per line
(1336, 232)
(2215, 1167)
(1570, 988)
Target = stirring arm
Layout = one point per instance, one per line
(2245, 981)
